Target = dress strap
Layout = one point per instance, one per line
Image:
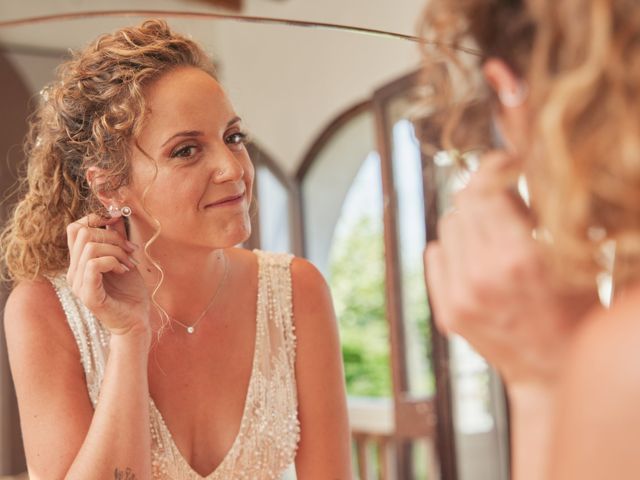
(275, 272)
(91, 337)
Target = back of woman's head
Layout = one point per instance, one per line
(581, 61)
(88, 117)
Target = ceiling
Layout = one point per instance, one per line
(288, 83)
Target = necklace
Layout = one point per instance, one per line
(192, 328)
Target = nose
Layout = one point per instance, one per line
(227, 167)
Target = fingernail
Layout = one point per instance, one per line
(125, 267)
(131, 245)
(134, 261)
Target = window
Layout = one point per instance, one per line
(272, 210)
(369, 201)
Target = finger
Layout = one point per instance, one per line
(498, 171)
(94, 220)
(504, 219)
(97, 250)
(91, 220)
(92, 291)
(119, 228)
(456, 242)
(470, 205)
(83, 235)
(436, 280)
(93, 250)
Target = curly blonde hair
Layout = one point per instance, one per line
(86, 118)
(581, 60)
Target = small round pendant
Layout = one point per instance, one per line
(190, 329)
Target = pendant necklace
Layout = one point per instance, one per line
(192, 328)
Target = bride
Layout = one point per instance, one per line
(142, 342)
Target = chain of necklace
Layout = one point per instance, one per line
(192, 328)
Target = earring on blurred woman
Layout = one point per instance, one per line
(514, 98)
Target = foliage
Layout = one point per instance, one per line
(360, 307)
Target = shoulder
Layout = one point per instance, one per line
(600, 393)
(306, 275)
(610, 338)
(33, 315)
(310, 289)
(31, 299)
(307, 281)
(603, 362)
(312, 305)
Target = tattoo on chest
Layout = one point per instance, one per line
(123, 474)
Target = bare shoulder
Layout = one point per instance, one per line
(305, 273)
(314, 316)
(33, 314)
(324, 449)
(610, 339)
(600, 393)
(310, 290)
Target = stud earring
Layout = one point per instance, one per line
(516, 98)
(119, 211)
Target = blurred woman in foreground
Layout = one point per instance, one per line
(562, 79)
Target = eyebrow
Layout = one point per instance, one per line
(198, 133)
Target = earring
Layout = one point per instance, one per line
(514, 99)
(119, 212)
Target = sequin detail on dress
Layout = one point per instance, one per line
(269, 432)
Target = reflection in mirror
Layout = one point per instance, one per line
(338, 180)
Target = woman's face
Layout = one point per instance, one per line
(202, 192)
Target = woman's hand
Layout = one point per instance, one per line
(488, 282)
(103, 277)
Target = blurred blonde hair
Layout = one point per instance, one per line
(581, 60)
(87, 117)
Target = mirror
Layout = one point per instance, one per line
(340, 180)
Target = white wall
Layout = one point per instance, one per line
(288, 83)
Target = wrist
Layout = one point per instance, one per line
(138, 336)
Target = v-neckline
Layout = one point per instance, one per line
(243, 419)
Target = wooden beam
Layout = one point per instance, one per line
(234, 5)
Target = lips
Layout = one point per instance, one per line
(229, 200)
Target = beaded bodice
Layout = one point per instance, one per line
(269, 430)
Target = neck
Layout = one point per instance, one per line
(190, 276)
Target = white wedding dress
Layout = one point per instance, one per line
(266, 444)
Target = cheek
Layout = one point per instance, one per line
(162, 196)
(249, 178)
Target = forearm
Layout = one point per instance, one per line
(118, 438)
(532, 423)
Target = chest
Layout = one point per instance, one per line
(199, 384)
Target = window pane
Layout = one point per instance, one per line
(327, 183)
(342, 208)
(274, 212)
(356, 276)
(411, 234)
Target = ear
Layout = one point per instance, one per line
(98, 181)
(511, 90)
(512, 95)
